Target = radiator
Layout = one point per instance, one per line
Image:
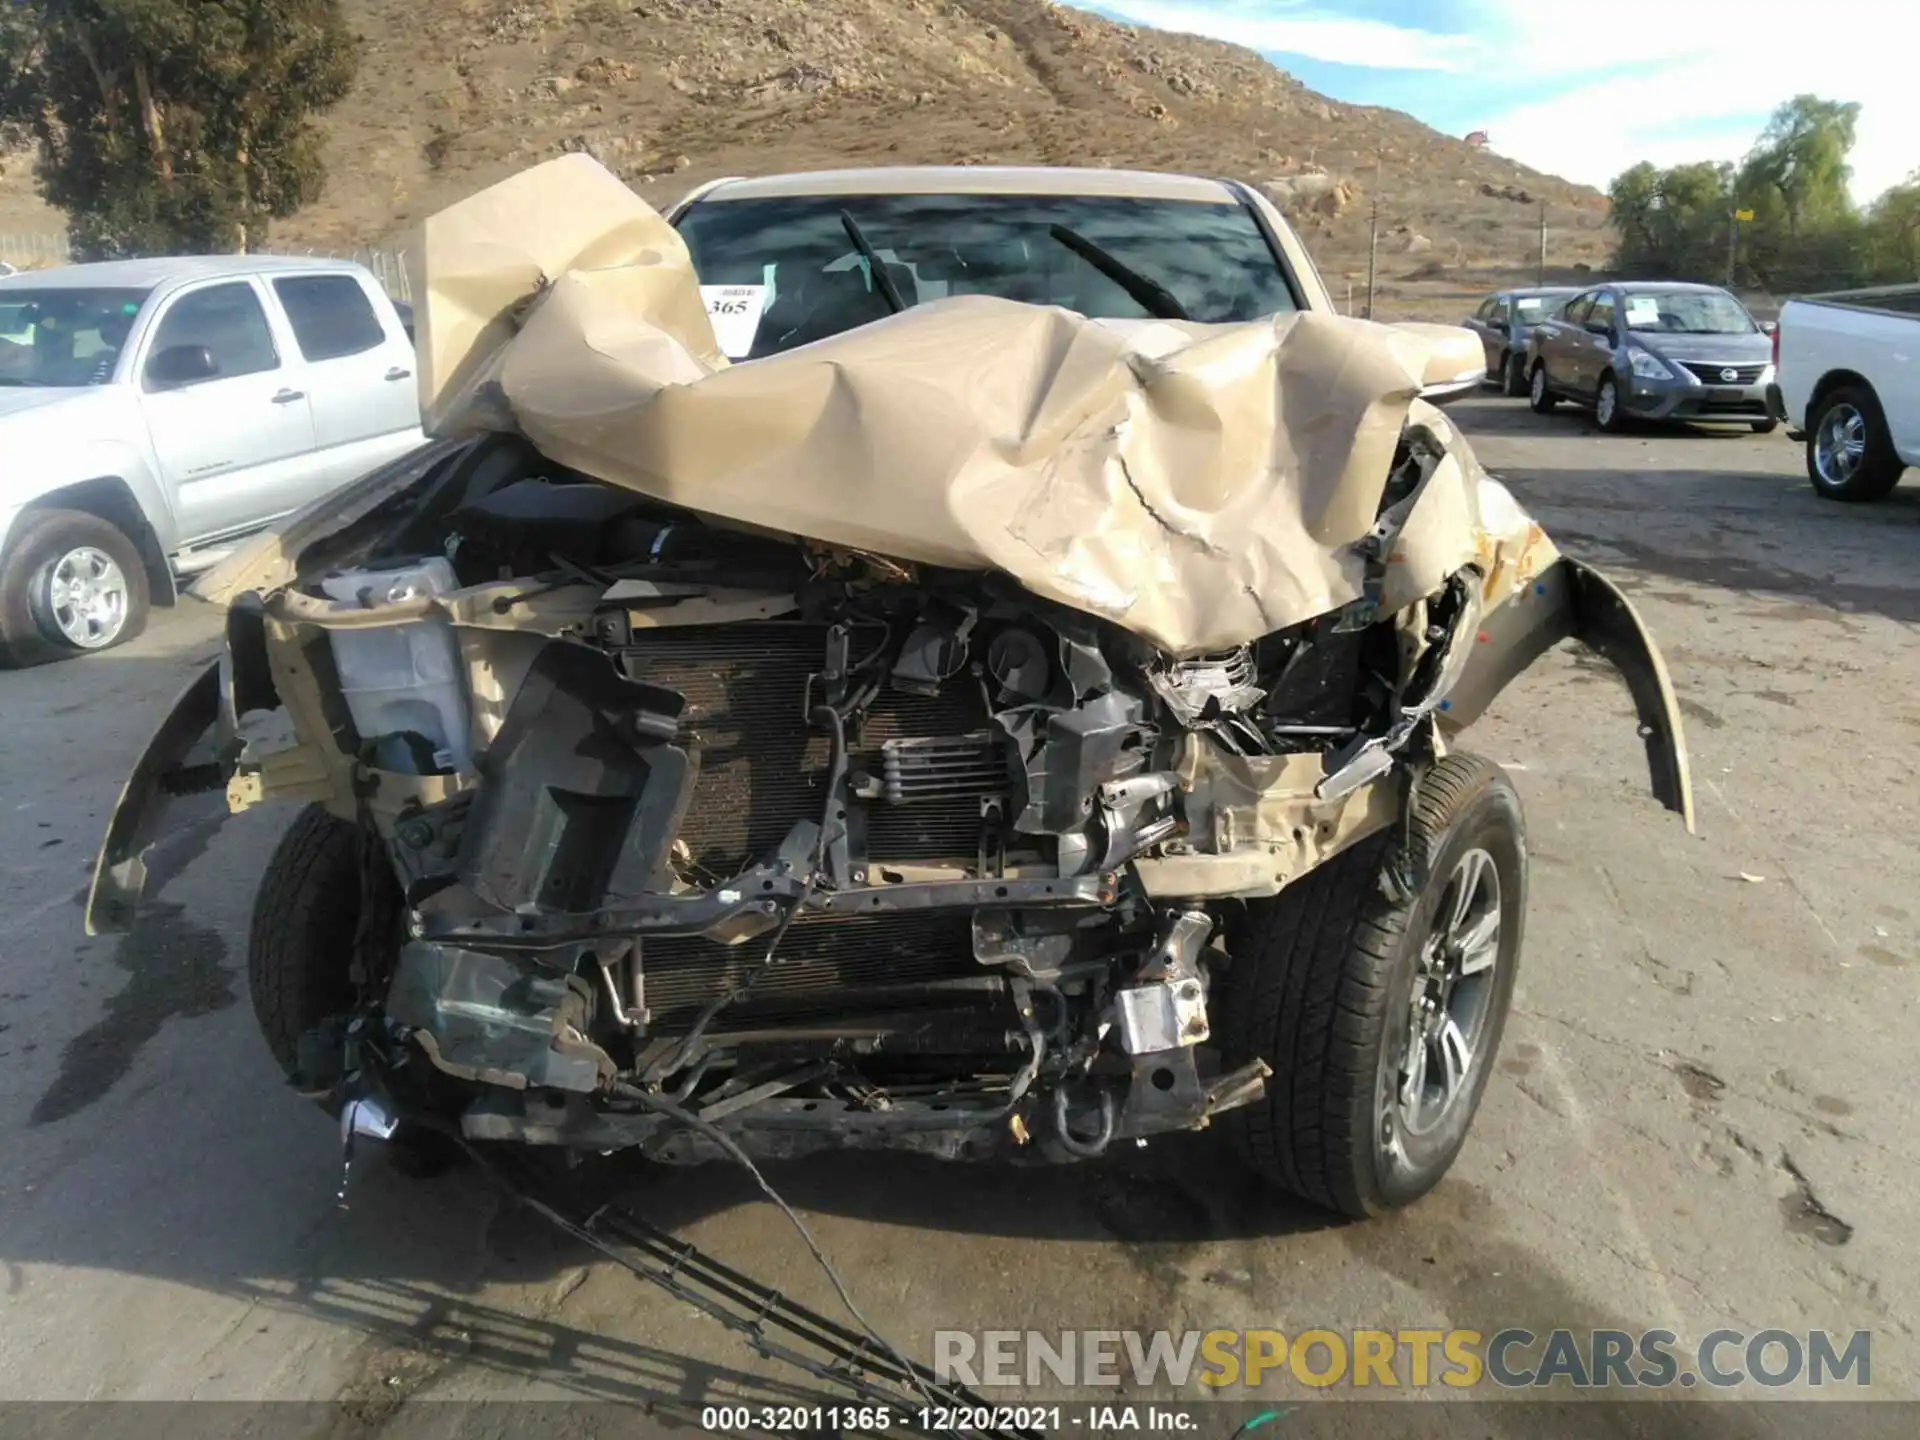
(762, 767)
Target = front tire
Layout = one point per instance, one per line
(71, 583)
(1380, 1017)
(300, 943)
(1850, 454)
(1765, 427)
(1539, 398)
(1606, 406)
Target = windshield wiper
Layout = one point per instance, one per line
(882, 281)
(1150, 295)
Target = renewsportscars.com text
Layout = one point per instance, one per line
(1514, 1359)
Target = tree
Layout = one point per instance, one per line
(1804, 232)
(169, 125)
(1672, 223)
(1801, 159)
(1893, 232)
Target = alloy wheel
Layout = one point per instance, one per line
(1840, 445)
(87, 597)
(1452, 1001)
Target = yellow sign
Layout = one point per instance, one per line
(1743, 215)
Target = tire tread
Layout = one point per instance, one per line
(298, 922)
(1307, 992)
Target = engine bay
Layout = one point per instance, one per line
(843, 850)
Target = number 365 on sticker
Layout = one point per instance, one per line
(735, 311)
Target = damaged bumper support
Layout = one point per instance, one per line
(503, 999)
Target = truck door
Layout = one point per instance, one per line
(366, 404)
(231, 444)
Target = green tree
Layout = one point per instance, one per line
(1672, 223)
(1893, 233)
(169, 125)
(1800, 160)
(1805, 232)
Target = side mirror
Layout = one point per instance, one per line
(1768, 327)
(179, 365)
(1599, 327)
(1499, 325)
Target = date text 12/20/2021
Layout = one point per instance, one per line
(878, 1419)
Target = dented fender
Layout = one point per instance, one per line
(1569, 600)
(120, 869)
(235, 684)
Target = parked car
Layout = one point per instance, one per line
(1504, 322)
(1849, 386)
(152, 412)
(1667, 351)
(966, 725)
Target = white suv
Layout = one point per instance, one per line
(154, 411)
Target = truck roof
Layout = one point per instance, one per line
(975, 180)
(167, 270)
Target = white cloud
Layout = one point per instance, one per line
(1302, 30)
(1691, 74)
(1694, 72)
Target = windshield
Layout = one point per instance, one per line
(64, 336)
(780, 273)
(1689, 312)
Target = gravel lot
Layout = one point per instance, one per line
(1695, 1122)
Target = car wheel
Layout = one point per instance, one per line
(1380, 1017)
(1606, 406)
(71, 583)
(300, 945)
(1850, 454)
(1513, 377)
(1538, 395)
(301, 948)
(1765, 427)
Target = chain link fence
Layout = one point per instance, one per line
(38, 250)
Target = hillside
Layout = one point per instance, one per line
(453, 94)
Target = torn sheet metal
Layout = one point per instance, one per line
(1201, 485)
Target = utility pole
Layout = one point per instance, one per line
(1733, 242)
(1373, 236)
(1540, 277)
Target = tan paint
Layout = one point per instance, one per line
(1201, 485)
(1257, 825)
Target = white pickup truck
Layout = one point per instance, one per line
(1848, 368)
(152, 412)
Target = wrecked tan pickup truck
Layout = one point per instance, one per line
(966, 661)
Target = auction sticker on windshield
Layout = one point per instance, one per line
(1643, 310)
(735, 311)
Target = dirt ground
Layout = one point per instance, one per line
(1695, 1122)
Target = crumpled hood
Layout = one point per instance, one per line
(1201, 485)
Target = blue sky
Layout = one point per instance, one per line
(1581, 92)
